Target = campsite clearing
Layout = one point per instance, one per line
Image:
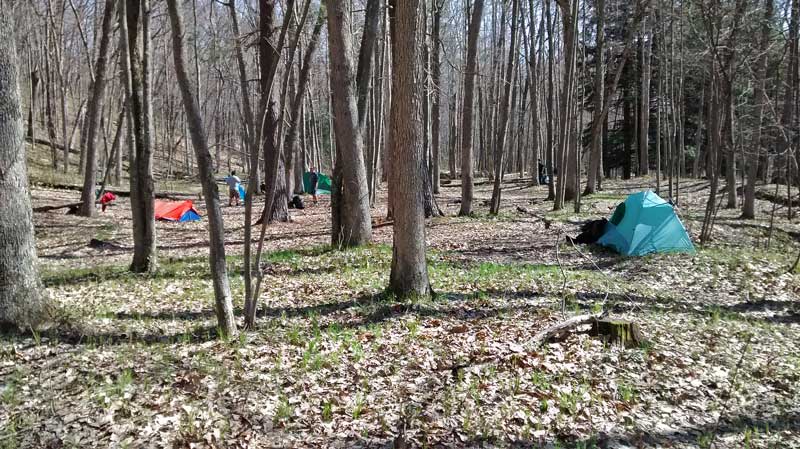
(333, 363)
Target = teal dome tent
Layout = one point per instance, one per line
(645, 223)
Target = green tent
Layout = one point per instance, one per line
(645, 224)
(323, 183)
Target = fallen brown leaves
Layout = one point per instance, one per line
(334, 363)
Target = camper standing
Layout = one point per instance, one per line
(233, 182)
(313, 179)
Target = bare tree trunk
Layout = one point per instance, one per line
(436, 75)
(93, 111)
(22, 303)
(275, 206)
(644, 108)
(369, 38)
(354, 221)
(467, 108)
(452, 137)
(51, 129)
(698, 138)
(760, 94)
(216, 226)
(409, 273)
(290, 143)
(34, 82)
(567, 153)
(502, 124)
(599, 87)
(115, 149)
(141, 167)
(551, 105)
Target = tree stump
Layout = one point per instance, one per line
(622, 333)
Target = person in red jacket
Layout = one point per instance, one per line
(107, 199)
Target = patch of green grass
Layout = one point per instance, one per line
(124, 379)
(9, 395)
(284, 256)
(626, 393)
(540, 380)
(568, 401)
(358, 406)
(327, 411)
(283, 412)
(188, 268)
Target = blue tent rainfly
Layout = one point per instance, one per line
(645, 223)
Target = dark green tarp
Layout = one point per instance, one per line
(323, 184)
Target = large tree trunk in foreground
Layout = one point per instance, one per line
(269, 48)
(22, 303)
(141, 167)
(466, 114)
(351, 212)
(409, 275)
(216, 226)
(93, 112)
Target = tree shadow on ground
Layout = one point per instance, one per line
(379, 308)
(728, 425)
(69, 335)
(744, 310)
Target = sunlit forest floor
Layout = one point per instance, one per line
(335, 363)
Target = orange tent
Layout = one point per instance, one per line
(179, 211)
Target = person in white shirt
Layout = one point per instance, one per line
(233, 182)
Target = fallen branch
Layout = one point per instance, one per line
(559, 329)
(544, 219)
(382, 224)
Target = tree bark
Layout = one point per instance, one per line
(366, 51)
(502, 124)
(276, 208)
(760, 94)
(93, 111)
(644, 108)
(216, 225)
(409, 272)
(599, 86)
(141, 177)
(466, 114)
(567, 153)
(22, 302)
(291, 143)
(436, 75)
(354, 222)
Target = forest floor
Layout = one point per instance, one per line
(335, 363)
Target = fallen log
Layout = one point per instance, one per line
(102, 244)
(60, 206)
(618, 332)
(559, 330)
